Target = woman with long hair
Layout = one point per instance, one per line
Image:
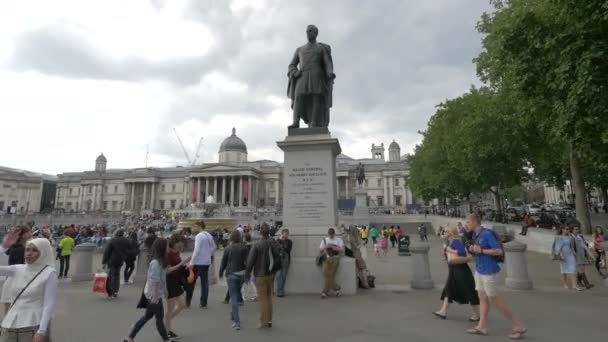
(14, 246)
(155, 289)
(176, 300)
(564, 251)
(460, 285)
(33, 293)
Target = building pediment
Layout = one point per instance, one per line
(221, 168)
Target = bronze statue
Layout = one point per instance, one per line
(311, 76)
(360, 171)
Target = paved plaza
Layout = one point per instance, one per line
(392, 312)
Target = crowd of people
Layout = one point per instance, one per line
(258, 265)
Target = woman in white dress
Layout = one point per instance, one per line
(34, 288)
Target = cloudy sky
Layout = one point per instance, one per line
(82, 77)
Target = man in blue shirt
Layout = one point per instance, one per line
(485, 247)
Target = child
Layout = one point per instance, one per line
(376, 249)
(384, 244)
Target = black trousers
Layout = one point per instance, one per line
(113, 283)
(129, 268)
(152, 310)
(64, 265)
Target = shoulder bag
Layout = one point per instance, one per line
(25, 288)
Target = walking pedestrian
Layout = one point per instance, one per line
(485, 248)
(460, 285)
(131, 257)
(392, 236)
(331, 249)
(233, 265)
(202, 257)
(65, 247)
(563, 250)
(374, 233)
(285, 252)
(583, 258)
(176, 301)
(259, 264)
(34, 291)
(154, 290)
(114, 256)
(600, 254)
(14, 245)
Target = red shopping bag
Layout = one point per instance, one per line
(191, 276)
(99, 285)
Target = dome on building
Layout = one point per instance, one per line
(233, 143)
(394, 146)
(101, 158)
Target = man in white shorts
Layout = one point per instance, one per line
(485, 247)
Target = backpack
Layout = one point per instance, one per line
(274, 258)
(498, 258)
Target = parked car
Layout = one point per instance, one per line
(514, 214)
(533, 209)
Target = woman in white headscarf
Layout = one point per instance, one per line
(34, 287)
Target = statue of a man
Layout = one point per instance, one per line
(311, 76)
(360, 170)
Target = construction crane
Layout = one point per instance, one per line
(191, 162)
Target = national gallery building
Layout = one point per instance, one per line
(233, 181)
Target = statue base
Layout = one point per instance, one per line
(361, 211)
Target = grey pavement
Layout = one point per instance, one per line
(392, 312)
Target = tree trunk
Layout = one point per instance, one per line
(580, 195)
(604, 194)
(497, 201)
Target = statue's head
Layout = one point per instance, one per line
(312, 32)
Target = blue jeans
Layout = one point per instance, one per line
(235, 282)
(202, 271)
(282, 275)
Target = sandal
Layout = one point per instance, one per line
(474, 320)
(438, 315)
(476, 331)
(518, 334)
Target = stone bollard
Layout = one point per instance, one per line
(83, 262)
(421, 268)
(212, 274)
(517, 266)
(141, 269)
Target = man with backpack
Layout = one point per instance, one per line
(487, 249)
(113, 257)
(264, 261)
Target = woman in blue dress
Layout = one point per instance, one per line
(564, 251)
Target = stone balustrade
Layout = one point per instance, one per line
(421, 276)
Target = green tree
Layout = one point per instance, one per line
(472, 144)
(552, 56)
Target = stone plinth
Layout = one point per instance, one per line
(605, 246)
(361, 211)
(517, 266)
(83, 262)
(310, 205)
(421, 277)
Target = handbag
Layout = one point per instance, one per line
(143, 301)
(100, 282)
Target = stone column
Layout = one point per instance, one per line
(216, 190)
(384, 181)
(276, 191)
(132, 207)
(240, 191)
(421, 277)
(142, 265)
(206, 188)
(65, 196)
(82, 259)
(124, 197)
(81, 197)
(232, 191)
(391, 192)
(199, 185)
(145, 201)
(185, 192)
(517, 266)
(346, 185)
(224, 190)
(94, 205)
(249, 192)
(153, 197)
